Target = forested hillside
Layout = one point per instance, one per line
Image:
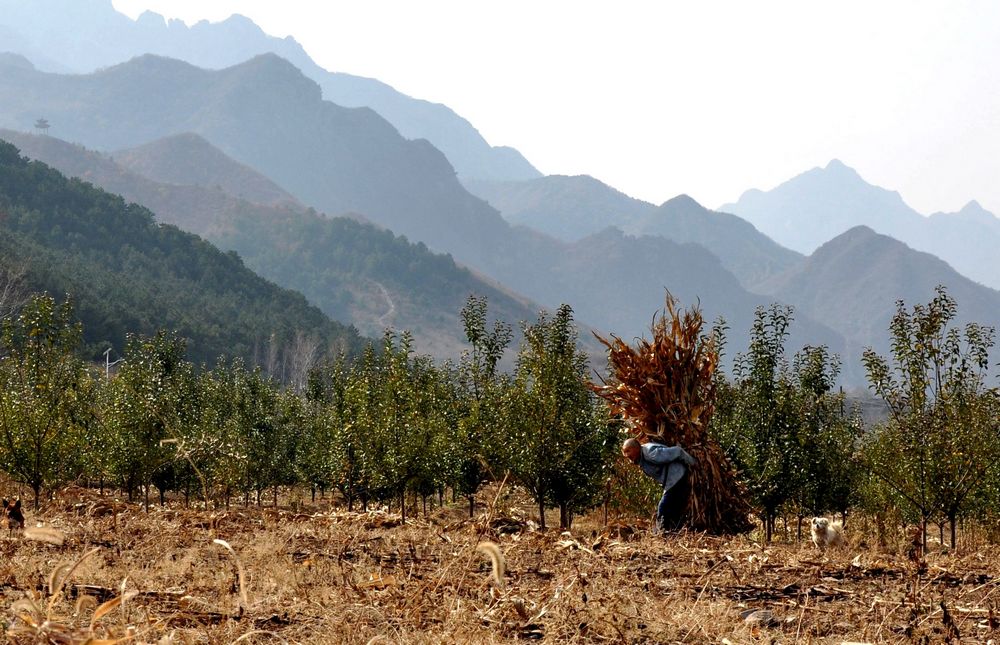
(853, 282)
(128, 273)
(351, 270)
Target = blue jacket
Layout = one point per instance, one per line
(665, 464)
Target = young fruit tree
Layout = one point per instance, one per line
(941, 444)
(561, 445)
(44, 395)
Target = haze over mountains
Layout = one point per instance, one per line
(819, 204)
(251, 155)
(264, 113)
(353, 271)
(84, 35)
(188, 160)
(571, 208)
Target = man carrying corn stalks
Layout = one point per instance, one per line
(664, 389)
(668, 465)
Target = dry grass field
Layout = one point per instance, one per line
(312, 573)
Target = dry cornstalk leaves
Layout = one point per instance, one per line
(665, 389)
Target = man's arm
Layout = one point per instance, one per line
(657, 453)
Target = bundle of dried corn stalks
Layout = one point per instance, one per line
(665, 389)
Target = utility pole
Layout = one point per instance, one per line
(108, 365)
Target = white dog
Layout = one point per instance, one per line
(826, 533)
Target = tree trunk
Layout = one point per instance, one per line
(37, 490)
(472, 506)
(565, 517)
(541, 515)
(607, 501)
(953, 519)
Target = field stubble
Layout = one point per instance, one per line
(319, 574)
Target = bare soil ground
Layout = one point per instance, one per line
(322, 575)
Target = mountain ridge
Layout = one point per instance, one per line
(818, 205)
(572, 208)
(342, 160)
(92, 35)
(853, 281)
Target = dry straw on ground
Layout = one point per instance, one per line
(665, 389)
(94, 569)
(323, 575)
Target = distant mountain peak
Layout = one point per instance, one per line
(857, 236)
(972, 211)
(9, 59)
(682, 201)
(975, 209)
(187, 158)
(153, 63)
(859, 232)
(838, 170)
(269, 59)
(151, 19)
(238, 23)
(819, 204)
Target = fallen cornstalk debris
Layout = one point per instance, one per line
(343, 578)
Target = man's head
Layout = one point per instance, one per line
(631, 449)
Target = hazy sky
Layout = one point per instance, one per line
(707, 98)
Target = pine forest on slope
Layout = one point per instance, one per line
(126, 273)
(351, 270)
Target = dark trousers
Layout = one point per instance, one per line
(671, 512)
